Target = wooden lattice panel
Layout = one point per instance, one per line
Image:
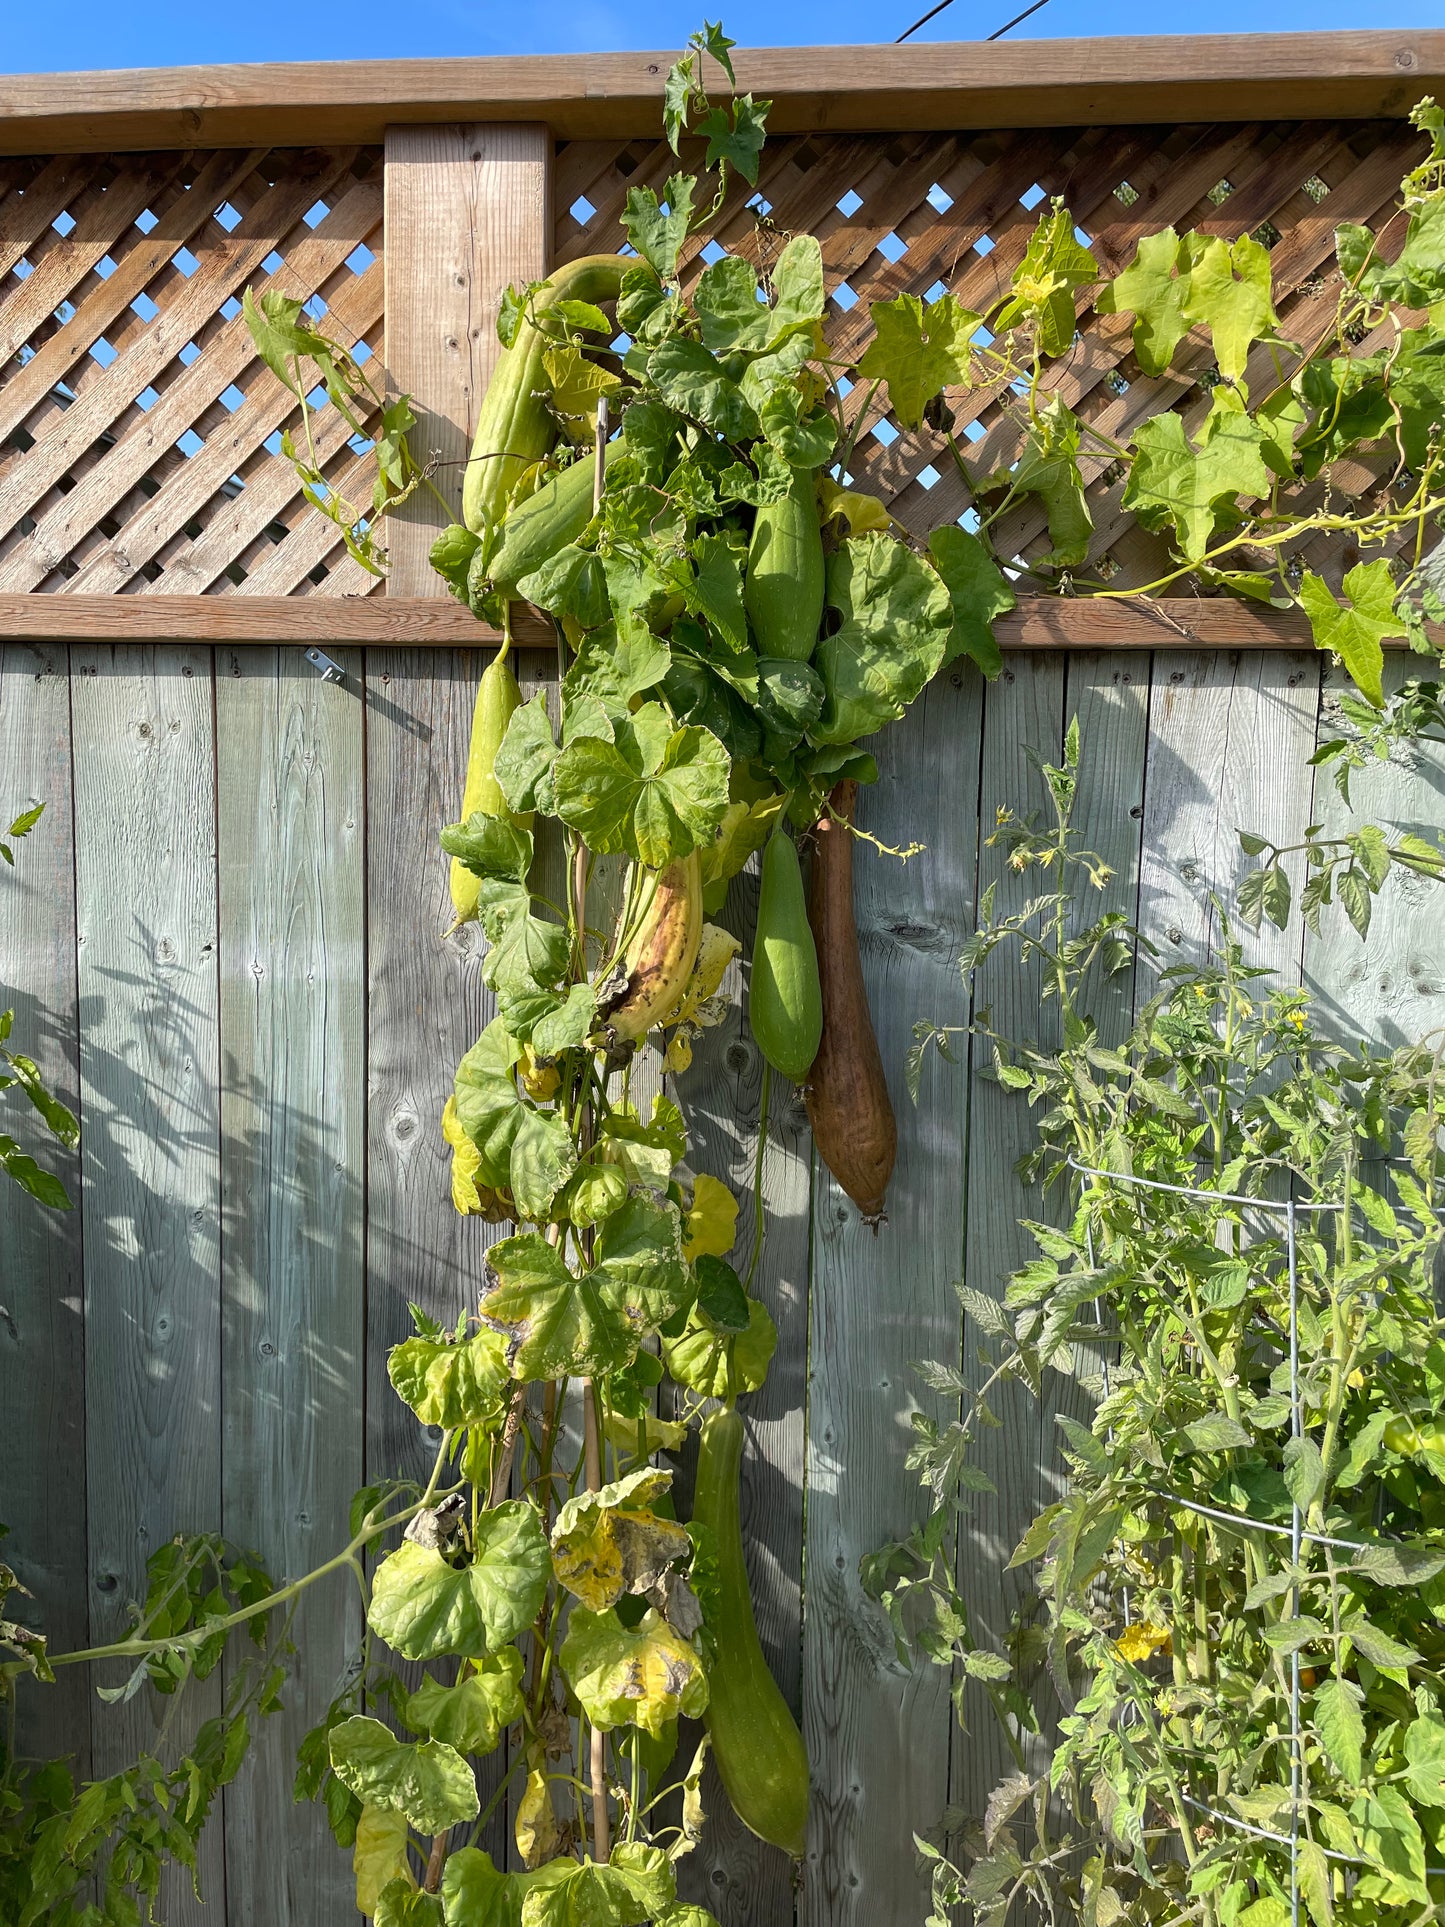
(928, 213)
(138, 430)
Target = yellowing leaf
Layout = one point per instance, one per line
(864, 514)
(577, 383)
(721, 1364)
(537, 1831)
(712, 1223)
(632, 1676)
(612, 1542)
(379, 1854)
(715, 952)
(1229, 291)
(641, 1437)
(473, 1714)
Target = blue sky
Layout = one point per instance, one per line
(160, 33)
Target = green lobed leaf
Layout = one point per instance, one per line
(692, 381)
(1153, 293)
(918, 351)
(658, 235)
(735, 135)
(1192, 487)
(1229, 293)
(451, 1384)
(425, 1607)
(559, 1325)
(429, 1782)
(1048, 467)
(1055, 263)
(979, 591)
(523, 765)
(472, 1715)
(655, 792)
(1355, 631)
(719, 1363)
(896, 619)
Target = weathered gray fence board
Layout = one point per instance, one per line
(42, 1335)
(1229, 737)
(145, 862)
(293, 1112)
(425, 1007)
(1023, 710)
(878, 1739)
(1389, 988)
(244, 1189)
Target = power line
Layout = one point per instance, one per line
(998, 35)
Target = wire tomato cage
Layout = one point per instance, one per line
(1291, 1210)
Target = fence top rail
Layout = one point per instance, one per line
(915, 87)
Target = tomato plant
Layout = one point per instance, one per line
(1174, 1600)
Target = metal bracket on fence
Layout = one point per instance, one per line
(328, 670)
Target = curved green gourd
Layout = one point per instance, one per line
(755, 1739)
(783, 587)
(785, 999)
(515, 427)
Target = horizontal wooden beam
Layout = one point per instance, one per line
(955, 85)
(1039, 622)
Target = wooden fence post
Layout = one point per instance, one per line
(467, 211)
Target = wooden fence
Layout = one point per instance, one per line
(224, 939)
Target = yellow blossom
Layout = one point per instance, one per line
(1141, 1639)
(712, 1223)
(539, 1079)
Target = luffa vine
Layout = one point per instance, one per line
(733, 619)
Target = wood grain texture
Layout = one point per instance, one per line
(733, 1873)
(42, 1332)
(1222, 729)
(878, 1739)
(466, 213)
(145, 872)
(960, 84)
(419, 620)
(1023, 711)
(1387, 988)
(290, 796)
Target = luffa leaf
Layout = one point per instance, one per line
(450, 1384)
(1229, 292)
(644, 1675)
(612, 1542)
(472, 1715)
(430, 1783)
(718, 1363)
(1152, 291)
(1355, 631)
(655, 792)
(918, 351)
(1048, 466)
(896, 619)
(1192, 487)
(559, 1325)
(423, 1606)
(979, 592)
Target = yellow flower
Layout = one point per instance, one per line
(1141, 1639)
(539, 1080)
(1296, 1018)
(712, 1223)
(678, 1054)
(1035, 289)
